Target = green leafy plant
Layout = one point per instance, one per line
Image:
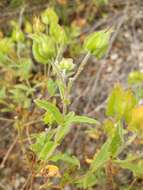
(37, 75)
(53, 75)
(48, 41)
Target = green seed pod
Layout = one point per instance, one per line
(44, 46)
(48, 47)
(58, 33)
(38, 57)
(97, 43)
(49, 16)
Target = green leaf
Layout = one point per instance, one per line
(47, 150)
(24, 68)
(48, 118)
(130, 101)
(52, 87)
(58, 33)
(41, 139)
(69, 119)
(101, 157)
(97, 43)
(117, 141)
(44, 147)
(84, 119)
(65, 127)
(136, 122)
(52, 109)
(61, 88)
(23, 88)
(109, 127)
(66, 158)
(115, 106)
(87, 181)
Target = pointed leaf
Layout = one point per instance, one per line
(52, 109)
(101, 157)
(65, 127)
(66, 158)
(117, 141)
(47, 150)
(84, 119)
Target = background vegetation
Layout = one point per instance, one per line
(71, 94)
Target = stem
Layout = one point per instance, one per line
(110, 175)
(8, 152)
(6, 119)
(133, 182)
(45, 70)
(64, 104)
(80, 69)
(132, 138)
(48, 73)
(2, 186)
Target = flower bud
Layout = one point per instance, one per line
(66, 64)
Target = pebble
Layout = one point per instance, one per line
(114, 56)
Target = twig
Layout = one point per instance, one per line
(26, 182)
(132, 183)
(81, 67)
(33, 122)
(21, 16)
(3, 187)
(98, 108)
(8, 152)
(6, 119)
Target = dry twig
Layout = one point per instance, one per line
(8, 153)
